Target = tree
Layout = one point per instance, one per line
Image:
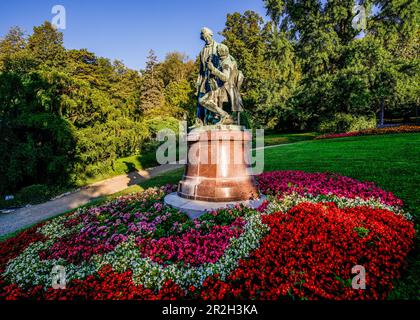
(46, 45)
(179, 98)
(267, 60)
(178, 75)
(12, 43)
(14, 55)
(152, 98)
(344, 74)
(175, 68)
(395, 25)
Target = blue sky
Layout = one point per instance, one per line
(125, 29)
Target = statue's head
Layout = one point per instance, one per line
(222, 51)
(206, 35)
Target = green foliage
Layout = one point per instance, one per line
(267, 60)
(223, 218)
(46, 45)
(152, 98)
(164, 229)
(37, 145)
(342, 122)
(179, 76)
(179, 97)
(309, 63)
(168, 124)
(362, 232)
(66, 116)
(36, 193)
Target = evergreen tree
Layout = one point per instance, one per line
(46, 45)
(152, 97)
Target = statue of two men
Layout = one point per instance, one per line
(219, 81)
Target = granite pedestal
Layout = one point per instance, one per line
(218, 172)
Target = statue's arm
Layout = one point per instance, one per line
(222, 75)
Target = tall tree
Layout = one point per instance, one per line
(267, 59)
(176, 67)
(46, 45)
(14, 55)
(152, 97)
(178, 78)
(13, 42)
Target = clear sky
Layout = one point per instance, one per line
(128, 29)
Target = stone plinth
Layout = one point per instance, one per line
(218, 168)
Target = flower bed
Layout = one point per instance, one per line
(371, 132)
(301, 243)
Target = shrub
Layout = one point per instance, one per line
(342, 122)
(36, 193)
(157, 124)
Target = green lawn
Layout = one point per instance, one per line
(273, 139)
(124, 166)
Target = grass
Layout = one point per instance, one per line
(274, 139)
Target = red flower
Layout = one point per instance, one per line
(310, 252)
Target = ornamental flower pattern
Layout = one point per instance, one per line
(326, 184)
(301, 243)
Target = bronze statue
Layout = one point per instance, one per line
(219, 81)
(206, 82)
